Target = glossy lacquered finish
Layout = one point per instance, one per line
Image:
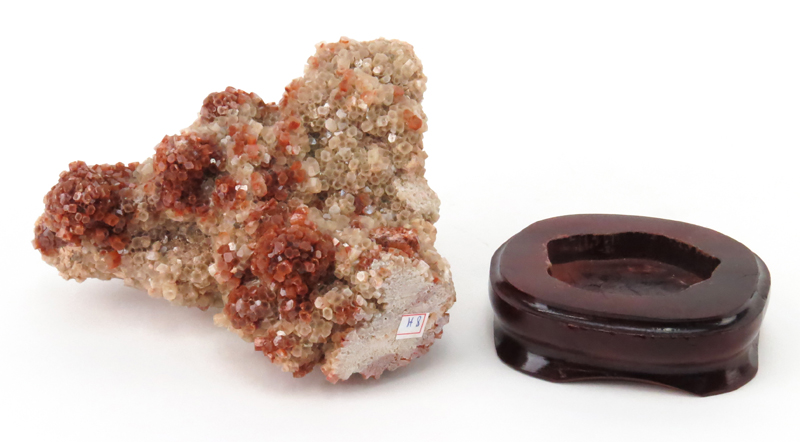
(623, 297)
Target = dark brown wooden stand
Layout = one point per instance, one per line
(624, 297)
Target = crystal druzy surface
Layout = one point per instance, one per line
(309, 223)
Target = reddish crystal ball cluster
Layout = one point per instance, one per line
(89, 202)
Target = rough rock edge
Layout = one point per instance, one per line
(372, 348)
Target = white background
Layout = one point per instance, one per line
(685, 110)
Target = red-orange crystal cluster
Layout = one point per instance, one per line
(292, 256)
(182, 163)
(89, 202)
(308, 223)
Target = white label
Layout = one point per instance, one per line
(412, 326)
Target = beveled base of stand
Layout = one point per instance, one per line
(618, 297)
(518, 354)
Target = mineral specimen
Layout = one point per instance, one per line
(309, 223)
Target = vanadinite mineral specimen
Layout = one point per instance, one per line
(309, 223)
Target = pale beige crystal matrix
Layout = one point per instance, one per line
(309, 223)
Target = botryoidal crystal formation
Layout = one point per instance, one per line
(309, 223)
